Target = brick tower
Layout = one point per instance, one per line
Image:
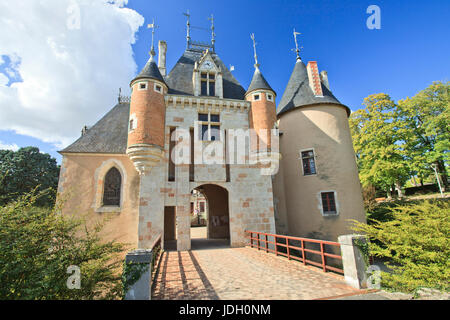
(147, 117)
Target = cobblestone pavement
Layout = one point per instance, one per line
(242, 274)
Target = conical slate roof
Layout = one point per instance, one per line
(298, 92)
(258, 82)
(151, 71)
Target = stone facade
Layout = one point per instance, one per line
(149, 141)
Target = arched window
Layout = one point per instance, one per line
(111, 190)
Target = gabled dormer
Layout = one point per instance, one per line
(207, 77)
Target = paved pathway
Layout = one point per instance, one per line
(243, 274)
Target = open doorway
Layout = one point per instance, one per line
(210, 223)
(170, 228)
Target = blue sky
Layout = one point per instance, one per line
(409, 51)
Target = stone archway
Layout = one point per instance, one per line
(218, 213)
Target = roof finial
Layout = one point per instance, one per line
(213, 35)
(153, 26)
(254, 50)
(188, 24)
(297, 49)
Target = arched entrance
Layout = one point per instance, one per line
(216, 228)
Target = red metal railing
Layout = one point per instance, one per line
(265, 239)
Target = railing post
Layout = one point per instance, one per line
(276, 247)
(139, 260)
(267, 244)
(288, 251)
(258, 240)
(353, 260)
(303, 253)
(324, 267)
(251, 239)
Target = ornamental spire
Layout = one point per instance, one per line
(153, 26)
(254, 50)
(297, 49)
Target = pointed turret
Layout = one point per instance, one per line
(147, 117)
(262, 114)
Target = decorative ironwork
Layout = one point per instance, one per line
(199, 45)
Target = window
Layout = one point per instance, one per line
(208, 84)
(111, 189)
(131, 124)
(328, 203)
(158, 88)
(142, 85)
(202, 206)
(270, 97)
(209, 126)
(309, 163)
(256, 97)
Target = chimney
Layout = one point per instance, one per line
(314, 78)
(162, 50)
(324, 79)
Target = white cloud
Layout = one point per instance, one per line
(72, 57)
(13, 147)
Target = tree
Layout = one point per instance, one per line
(425, 122)
(378, 144)
(38, 245)
(25, 170)
(414, 240)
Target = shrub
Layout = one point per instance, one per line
(415, 243)
(37, 245)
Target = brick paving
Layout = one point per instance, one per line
(242, 274)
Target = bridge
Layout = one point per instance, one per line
(271, 267)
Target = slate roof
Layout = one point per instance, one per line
(108, 135)
(179, 79)
(150, 70)
(258, 82)
(298, 92)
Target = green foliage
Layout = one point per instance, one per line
(426, 128)
(415, 241)
(37, 245)
(396, 141)
(25, 170)
(375, 139)
(131, 273)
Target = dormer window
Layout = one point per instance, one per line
(208, 84)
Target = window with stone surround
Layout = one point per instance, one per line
(208, 84)
(308, 162)
(328, 203)
(209, 127)
(142, 85)
(112, 187)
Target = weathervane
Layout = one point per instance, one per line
(188, 24)
(297, 49)
(152, 26)
(254, 49)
